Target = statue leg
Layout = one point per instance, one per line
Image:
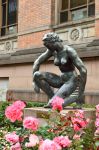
(46, 81)
(66, 90)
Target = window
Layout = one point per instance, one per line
(8, 17)
(71, 10)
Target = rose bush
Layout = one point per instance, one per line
(65, 132)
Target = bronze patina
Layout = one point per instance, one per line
(67, 59)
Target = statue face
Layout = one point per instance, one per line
(51, 41)
(48, 37)
(51, 37)
(48, 40)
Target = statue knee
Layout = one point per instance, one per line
(36, 76)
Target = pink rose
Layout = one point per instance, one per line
(57, 103)
(17, 146)
(13, 114)
(76, 127)
(31, 123)
(97, 114)
(76, 137)
(63, 141)
(97, 108)
(12, 138)
(97, 132)
(49, 145)
(33, 141)
(97, 122)
(79, 123)
(19, 104)
(79, 113)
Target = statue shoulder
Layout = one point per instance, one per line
(69, 48)
(71, 51)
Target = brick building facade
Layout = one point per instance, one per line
(77, 23)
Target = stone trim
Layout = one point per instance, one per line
(94, 43)
(92, 93)
(30, 55)
(7, 37)
(97, 17)
(72, 23)
(29, 51)
(37, 29)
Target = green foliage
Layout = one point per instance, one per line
(45, 132)
(35, 104)
(75, 105)
(88, 138)
(61, 125)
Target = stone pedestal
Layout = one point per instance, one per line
(44, 114)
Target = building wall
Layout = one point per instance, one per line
(34, 20)
(97, 18)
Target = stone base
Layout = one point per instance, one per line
(44, 114)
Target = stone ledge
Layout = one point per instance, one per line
(91, 98)
(25, 95)
(44, 114)
(30, 55)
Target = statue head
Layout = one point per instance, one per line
(51, 37)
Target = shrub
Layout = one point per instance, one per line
(65, 132)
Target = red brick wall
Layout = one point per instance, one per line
(33, 15)
(97, 18)
(31, 40)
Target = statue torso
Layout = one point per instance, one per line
(62, 60)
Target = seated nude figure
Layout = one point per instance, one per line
(67, 59)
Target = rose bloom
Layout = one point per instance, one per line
(76, 137)
(79, 113)
(12, 138)
(17, 146)
(49, 145)
(63, 141)
(97, 122)
(31, 123)
(97, 114)
(19, 104)
(97, 108)
(97, 132)
(79, 123)
(13, 114)
(33, 141)
(57, 103)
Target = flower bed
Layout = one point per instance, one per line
(67, 132)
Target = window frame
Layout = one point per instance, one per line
(69, 10)
(6, 26)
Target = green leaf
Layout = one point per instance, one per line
(97, 143)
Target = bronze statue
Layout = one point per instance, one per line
(66, 58)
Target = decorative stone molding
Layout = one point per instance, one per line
(75, 34)
(8, 46)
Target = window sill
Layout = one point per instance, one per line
(8, 37)
(71, 23)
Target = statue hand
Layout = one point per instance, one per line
(36, 88)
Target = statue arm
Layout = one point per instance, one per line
(82, 70)
(42, 58)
